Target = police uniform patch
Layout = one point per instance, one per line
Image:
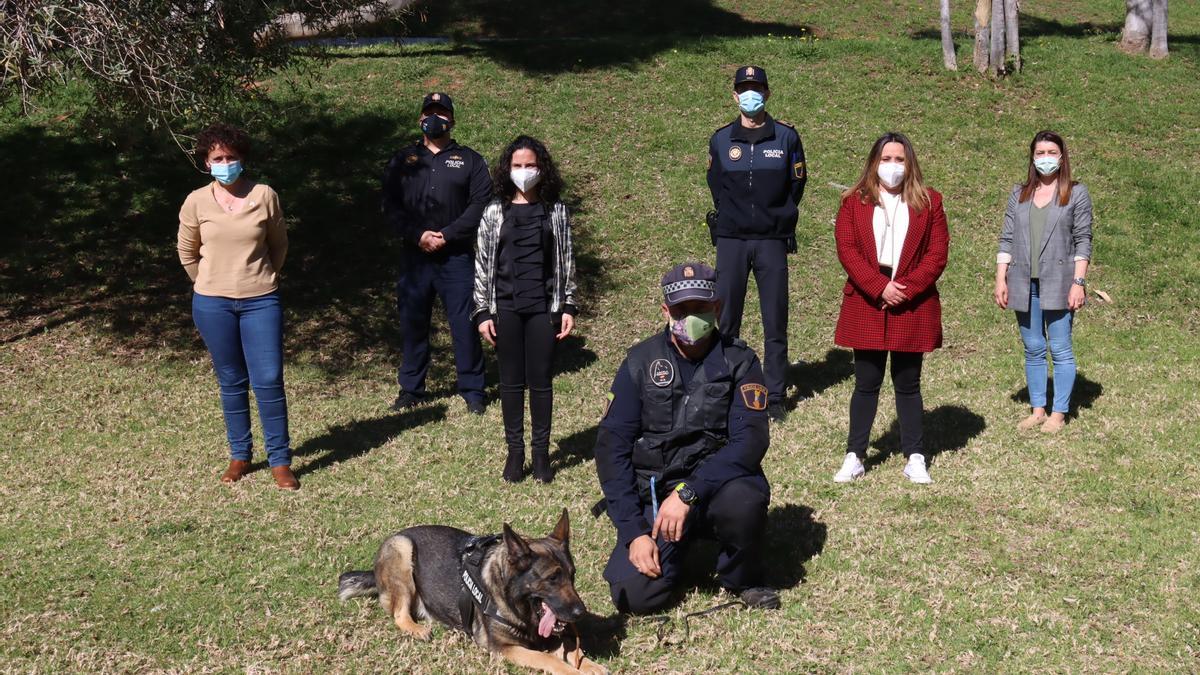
(411, 159)
(608, 400)
(799, 170)
(662, 372)
(754, 395)
(735, 153)
(709, 161)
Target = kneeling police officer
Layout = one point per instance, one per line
(679, 452)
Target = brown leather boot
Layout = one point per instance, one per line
(237, 469)
(284, 478)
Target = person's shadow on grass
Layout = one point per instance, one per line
(810, 379)
(947, 428)
(353, 439)
(1083, 395)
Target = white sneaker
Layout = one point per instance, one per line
(915, 469)
(852, 468)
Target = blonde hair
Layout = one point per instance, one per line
(912, 187)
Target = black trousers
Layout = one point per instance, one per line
(736, 516)
(868, 377)
(525, 355)
(767, 258)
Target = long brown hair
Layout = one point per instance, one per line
(912, 187)
(1064, 169)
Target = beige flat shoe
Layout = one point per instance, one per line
(1053, 425)
(1031, 422)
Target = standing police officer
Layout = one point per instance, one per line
(679, 452)
(756, 174)
(434, 192)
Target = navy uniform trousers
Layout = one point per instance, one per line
(767, 258)
(736, 517)
(451, 277)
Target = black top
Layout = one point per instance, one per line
(521, 269)
(445, 193)
(756, 178)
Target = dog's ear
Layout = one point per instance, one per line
(562, 531)
(518, 550)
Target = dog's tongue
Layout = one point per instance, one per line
(546, 625)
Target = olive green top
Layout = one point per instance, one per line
(1037, 224)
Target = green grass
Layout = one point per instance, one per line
(120, 551)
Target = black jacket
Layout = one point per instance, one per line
(445, 193)
(757, 186)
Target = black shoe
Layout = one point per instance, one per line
(406, 401)
(777, 411)
(541, 466)
(514, 467)
(476, 407)
(760, 597)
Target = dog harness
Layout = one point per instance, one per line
(473, 597)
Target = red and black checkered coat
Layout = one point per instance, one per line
(915, 325)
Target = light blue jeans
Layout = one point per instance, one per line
(1038, 328)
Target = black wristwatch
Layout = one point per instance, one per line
(686, 494)
(1080, 281)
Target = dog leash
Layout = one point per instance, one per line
(666, 621)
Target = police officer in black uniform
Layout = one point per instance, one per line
(756, 173)
(434, 192)
(679, 452)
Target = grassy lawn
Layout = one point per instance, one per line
(120, 551)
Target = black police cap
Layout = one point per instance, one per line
(438, 98)
(689, 281)
(751, 74)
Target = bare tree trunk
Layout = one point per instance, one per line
(1012, 38)
(949, 59)
(1158, 31)
(1135, 37)
(983, 15)
(996, 54)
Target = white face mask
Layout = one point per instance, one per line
(891, 173)
(525, 179)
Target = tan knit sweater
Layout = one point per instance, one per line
(232, 255)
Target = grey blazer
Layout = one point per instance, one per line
(1068, 235)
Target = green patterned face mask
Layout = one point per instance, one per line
(694, 327)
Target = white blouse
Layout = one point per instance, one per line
(890, 222)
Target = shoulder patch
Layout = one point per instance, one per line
(754, 395)
(786, 124)
(608, 400)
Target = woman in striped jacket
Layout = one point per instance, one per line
(525, 294)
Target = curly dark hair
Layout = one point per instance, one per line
(221, 134)
(550, 185)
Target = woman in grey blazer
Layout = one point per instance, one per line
(1041, 272)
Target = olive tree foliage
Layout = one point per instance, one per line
(1145, 28)
(163, 62)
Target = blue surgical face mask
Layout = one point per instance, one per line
(226, 173)
(1046, 164)
(751, 102)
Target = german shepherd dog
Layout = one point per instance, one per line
(513, 595)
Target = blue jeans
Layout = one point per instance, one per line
(245, 338)
(1057, 327)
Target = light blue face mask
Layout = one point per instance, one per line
(1046, 164)
(751, 102)
(226, 174)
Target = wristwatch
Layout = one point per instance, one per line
(1080, 281)
(686, 494)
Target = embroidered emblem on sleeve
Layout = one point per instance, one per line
(754, 395)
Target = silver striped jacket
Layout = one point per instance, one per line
(485, 259)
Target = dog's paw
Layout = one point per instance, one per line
(592, 668)
(424, 633)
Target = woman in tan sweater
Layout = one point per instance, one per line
(232, 243)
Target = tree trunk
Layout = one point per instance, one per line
(1158, 31)
(1012, 38)
(1135, 37)
(949, 59)
(983, 15)
(996, 55)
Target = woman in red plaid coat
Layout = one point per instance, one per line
(892, 239)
